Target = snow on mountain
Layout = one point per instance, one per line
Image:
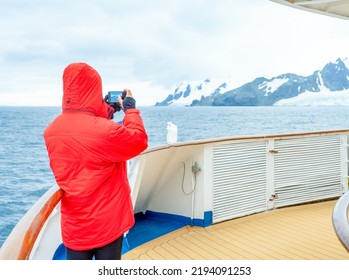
(326, 87)
(325, 96)
(187, 92)
(273, 85)
(323, 99)
(346, 62)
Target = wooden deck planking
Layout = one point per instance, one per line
(299, 238)
(238, 247)
(303, 241)
(254, 243)
(175, 250)
(193, 252)
(289, 244)
(293, 233)
(285, 247)
(226, 248)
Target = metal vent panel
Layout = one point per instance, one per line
(239, 179)
(307, 169)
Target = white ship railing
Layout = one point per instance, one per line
(241, 175)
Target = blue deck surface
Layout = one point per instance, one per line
(146, 228)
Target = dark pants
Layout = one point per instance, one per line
(111, 251)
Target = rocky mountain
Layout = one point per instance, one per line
(332, 79)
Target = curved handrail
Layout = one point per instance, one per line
(241, 137)
(28, 229)
(340, 220)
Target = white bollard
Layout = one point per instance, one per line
(171, 133)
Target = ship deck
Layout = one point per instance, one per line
(293, 233)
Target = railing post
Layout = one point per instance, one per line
(345, 162)
(270, 191)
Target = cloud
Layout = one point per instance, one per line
(154, 45)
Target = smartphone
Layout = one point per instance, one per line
(114, 95)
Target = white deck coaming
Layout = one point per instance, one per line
(162, 179)
(166, 181)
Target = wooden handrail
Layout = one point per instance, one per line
(28, 229)
(37, 224)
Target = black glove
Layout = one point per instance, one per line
(113, 107)
(129, 103)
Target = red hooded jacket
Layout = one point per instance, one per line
(88, 154)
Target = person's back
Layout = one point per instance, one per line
(87, 154)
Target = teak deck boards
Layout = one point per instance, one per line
(294, 233)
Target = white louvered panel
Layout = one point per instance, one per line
(239, 179)
(307, 169)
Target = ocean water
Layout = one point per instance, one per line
(24, 169)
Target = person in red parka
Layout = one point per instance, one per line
(88, 154)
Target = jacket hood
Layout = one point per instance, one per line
(82, 90)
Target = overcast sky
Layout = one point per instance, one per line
(152, 46)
